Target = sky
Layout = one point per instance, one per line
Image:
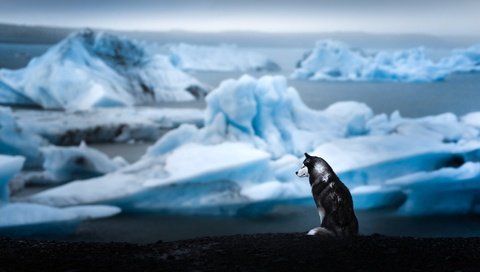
(460, 17)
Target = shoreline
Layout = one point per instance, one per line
(257, 252)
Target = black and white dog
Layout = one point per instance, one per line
(332, 197)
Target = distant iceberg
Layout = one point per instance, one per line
(256, 130)
(95, 69)
(336, 61)
(218, 58)
(463, 60)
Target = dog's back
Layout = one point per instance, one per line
(334, 198)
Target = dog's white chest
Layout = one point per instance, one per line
(321, 213)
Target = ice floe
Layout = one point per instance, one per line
(68, 163)
(218, 58)
(95, 69)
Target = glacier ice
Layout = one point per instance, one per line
(242, 161)
(68, 163)
(95, 69)
(337, 61)
(218, 58)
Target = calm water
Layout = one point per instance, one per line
(458, 94)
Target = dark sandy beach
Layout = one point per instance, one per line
(260, 252)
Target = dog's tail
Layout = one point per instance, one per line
(319, 231)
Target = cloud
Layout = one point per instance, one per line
(429, 16)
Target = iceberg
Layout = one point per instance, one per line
(27, 219)
(242, 161)
(9, 166)
(33, 220)
(448, 190)
(463, 60)
(16, 141)
(269, 114)
(63, 164)
(192, 179)
(221, 58)
(336, 61)
(105, 124)
(95, 69)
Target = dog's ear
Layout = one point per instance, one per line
(307, 156)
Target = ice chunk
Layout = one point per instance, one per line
(372, 197)
(350, 115)
(218, 58)
(95, 69)
(9, 166)
(26, 219)
(463, 60)
(374, 159)
(155, 182)
(271, 115)
(69, 163)
(448, 190)
(16, 141)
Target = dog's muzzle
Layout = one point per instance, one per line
(302, 172)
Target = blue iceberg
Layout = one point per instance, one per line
(336, 61)
(221, 58)
(95, 69)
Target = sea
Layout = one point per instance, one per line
(458, 94)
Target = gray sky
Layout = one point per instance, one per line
(461, 17)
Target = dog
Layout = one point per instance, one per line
(332, 197)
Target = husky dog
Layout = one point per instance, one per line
(332, 197)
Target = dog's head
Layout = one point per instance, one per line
(307, 163)
(310, 164)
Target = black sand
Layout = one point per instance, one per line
(261, 252)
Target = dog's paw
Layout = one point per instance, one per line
(320, 231)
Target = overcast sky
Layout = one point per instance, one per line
(402, 16)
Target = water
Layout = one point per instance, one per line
(458, 94)
(149, 228)
(14, 55)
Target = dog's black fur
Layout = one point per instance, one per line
(332, 198)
